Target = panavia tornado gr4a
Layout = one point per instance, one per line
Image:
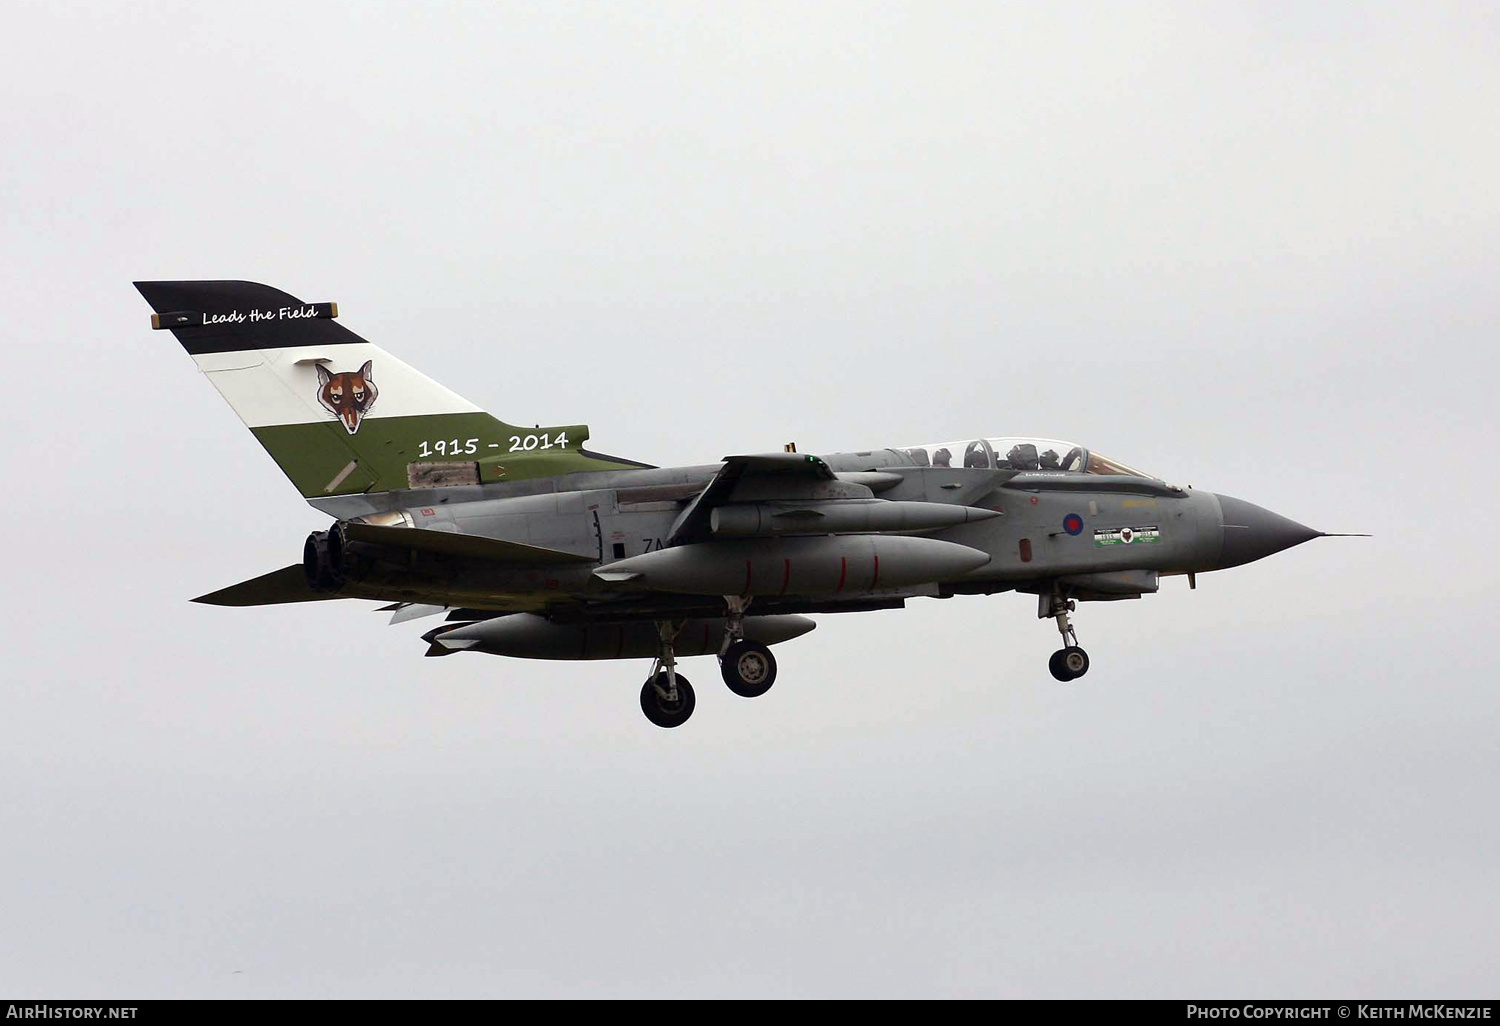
(537, 547)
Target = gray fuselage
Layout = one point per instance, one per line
(1105, 537)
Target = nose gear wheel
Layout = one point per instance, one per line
(1069, 662)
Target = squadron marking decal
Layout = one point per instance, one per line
(348, 396)
(1128, 536)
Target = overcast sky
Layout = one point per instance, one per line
(1250, 248)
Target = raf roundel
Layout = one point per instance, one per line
(1073, 524)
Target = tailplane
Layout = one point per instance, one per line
(340, 415)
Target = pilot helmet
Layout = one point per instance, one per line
(1023, 456)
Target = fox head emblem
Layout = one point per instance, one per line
(348, 396)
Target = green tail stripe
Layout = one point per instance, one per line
(323, 459)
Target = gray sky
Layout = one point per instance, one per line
(1248, 247)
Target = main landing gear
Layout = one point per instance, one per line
(1069, 662)
(748, 667)
(667, 697)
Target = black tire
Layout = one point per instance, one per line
(1074, 660)
(663, 713)
(1055, 664)
(749, 668)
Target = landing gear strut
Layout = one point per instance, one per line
(1069, 662)
(748, 667)
(667, 697)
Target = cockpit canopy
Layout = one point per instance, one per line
(1021, 454)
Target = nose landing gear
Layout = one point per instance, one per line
(1069, 662)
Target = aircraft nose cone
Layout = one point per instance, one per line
(1252, 533)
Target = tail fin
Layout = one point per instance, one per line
(340, 415)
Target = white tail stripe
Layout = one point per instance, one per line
(267, 387)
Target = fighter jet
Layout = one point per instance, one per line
(536, 546)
